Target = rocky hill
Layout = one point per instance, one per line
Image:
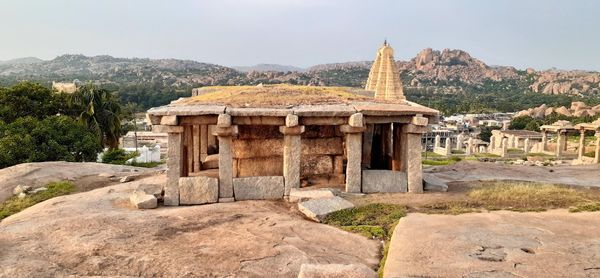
(268, 67)
(450, 80)
(577, 109)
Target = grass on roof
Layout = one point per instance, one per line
(280, 95)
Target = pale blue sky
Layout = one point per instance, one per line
(522, 33)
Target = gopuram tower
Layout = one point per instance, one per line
(384, 78)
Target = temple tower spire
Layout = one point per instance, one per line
(384, 78)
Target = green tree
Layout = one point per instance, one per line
(486, 132)
(100, 111)
(30, 99)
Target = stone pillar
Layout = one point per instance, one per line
(469, 149)
(196, 148)
(544, 141)
(436, 143)
(203, 142)
(597, 153)
(353, 133)
(492, 145)
(292, 150)
(504, 147)
(224, 132)
(526, 146)
(459, 141)
(412, 152)
(581, 150)
(367, 146)
(174, 166)
(560, 142)
(448, 147)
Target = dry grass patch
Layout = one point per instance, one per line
(280, 95)
(15, 204)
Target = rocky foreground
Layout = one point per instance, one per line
(496, 244)
(98, 233)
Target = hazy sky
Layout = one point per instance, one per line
(523, 33)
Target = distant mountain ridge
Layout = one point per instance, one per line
(24, 60)
(269, 67)
(431, 74)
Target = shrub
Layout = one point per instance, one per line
(118, 156)
(15, 204)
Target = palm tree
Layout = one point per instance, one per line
(100, 111)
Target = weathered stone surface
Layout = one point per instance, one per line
(414, 169)
(263, 111)
(226, 200)
(353, 166)
(291, 120)
(299, 195)
(224, 120)
(433, 183)
(225, 168)
(252, 148)
(260, 166)
(169, 120)
(258, 132)
(126, 179)
(211, 162)
(21, 189)
(39, 189)
(295, 130)
(106, 175)
(153, 189)
(336, 271)
(383, 181)
(174, 154)
(291, 162)
(198, 190)
(316, 165)
(258, 188)
(141, 200)
(324, 110)
(356, 120)
(317, 209)
(322, 146)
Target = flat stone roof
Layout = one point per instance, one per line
(280, 100)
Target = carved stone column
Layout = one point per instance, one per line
(353, 131)
(581, 150)
(412, 146)
(292, 151)
(174, 160)
(526, 146)
(544, 141)
(504, 147)
(224, 132)
(560, 143)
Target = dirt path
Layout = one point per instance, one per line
(497, 244)
(97, 233)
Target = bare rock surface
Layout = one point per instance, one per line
(84, 174)
(336, 271)
(496, 244)
(98, 233)
(317, 209)
(581, 175)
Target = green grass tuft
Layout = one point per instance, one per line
(15, 204)
(587, 206)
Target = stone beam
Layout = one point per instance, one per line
(258, 120)
(323, 120)
(167, 129)
(198, 120)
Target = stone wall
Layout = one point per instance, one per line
(258, 151)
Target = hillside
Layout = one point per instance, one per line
(449, 80)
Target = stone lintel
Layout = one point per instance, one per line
(352, 129)
(291, 120)
(167, 129)
(226, 131)
(410, 128)
(168, 120)
(323, 121)
(387, 119)
(198, 120)
(258, 120)
(356, 120)
(297, 130)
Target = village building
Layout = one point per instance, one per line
(64, 87)
(262, 142)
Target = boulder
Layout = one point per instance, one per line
(126, 179)
(211, 162)
(106, 175)
(198, 190)
(258, 188)
(317, 209)
(21, 189)
(336, 271)
(299, 195)
(152, 189)
(141, 200)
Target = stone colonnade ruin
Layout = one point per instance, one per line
(220, 150)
